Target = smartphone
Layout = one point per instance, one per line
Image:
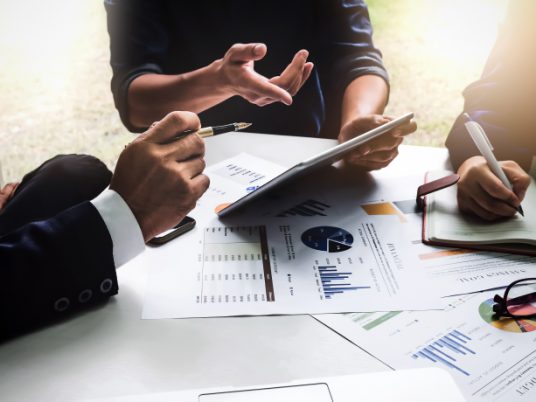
(182, 227)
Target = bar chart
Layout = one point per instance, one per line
(336, 282)
(447, 350)
(307, 208)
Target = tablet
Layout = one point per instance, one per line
(324, 158)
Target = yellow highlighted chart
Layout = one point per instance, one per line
(443, 253)
(384, 208)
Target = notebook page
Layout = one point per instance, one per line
(446, 223)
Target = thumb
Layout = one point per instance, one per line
(247, 52)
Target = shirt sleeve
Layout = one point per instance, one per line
(138, 44)
(503, 98)
(127, 238)
(351, 51)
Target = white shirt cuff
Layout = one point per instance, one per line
(122, 225)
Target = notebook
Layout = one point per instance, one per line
(444, 225)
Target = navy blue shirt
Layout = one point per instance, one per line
(503, 100)
(173, 37)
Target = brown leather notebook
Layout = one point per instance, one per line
(444, 225)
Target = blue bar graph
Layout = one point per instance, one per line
(335, 282)
(445, 349)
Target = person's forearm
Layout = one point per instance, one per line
(152, 96)
(364, 96)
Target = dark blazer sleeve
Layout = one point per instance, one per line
(52, 268)
(503, 99)
(138, 45)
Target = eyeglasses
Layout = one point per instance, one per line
(519, 300)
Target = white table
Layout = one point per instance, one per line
(110, 351)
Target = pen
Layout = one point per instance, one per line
(484, 146)
(210, 131)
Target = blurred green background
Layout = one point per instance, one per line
(54, 73)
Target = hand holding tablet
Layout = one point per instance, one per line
(379, 152)
(322, 159)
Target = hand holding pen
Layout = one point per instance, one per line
(489, 189)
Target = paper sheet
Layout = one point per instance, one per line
(451, 271)
(303, 258)
(459, 271)
(233, 178)
(334, 248)
(490, 360)
(282, 266)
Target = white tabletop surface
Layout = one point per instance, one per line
(110, 351)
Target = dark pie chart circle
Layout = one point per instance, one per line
(327, 238)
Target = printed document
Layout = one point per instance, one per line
(490, 359)
(305, 258)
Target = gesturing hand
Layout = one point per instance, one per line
(238, 75)
(481, 193)
(379, 152)
(160, 180)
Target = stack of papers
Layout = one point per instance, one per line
(348, 249)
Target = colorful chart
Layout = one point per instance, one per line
(505, 323)
(384, 208)
(327, 238)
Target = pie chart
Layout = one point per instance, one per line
(327, 238)
(506, 323)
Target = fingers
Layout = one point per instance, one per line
(379, 152)
(518, 177)
(361, 125)
(469, 206)
(373, 161)
(307, 70)
(191, 146)
(291, 76)
(192, 167)
(481, 193)
(241, 52)
(486, 202)
(406, 128)
(170, 126)
(295, 74)
(6, 193)
(9, 189)
(257, 88)
(199, 184)
(494, 188)
(386, 142)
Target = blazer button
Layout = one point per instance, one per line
(85, 295)
(61, 304)
(106, 285)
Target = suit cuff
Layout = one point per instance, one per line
(122, 225)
